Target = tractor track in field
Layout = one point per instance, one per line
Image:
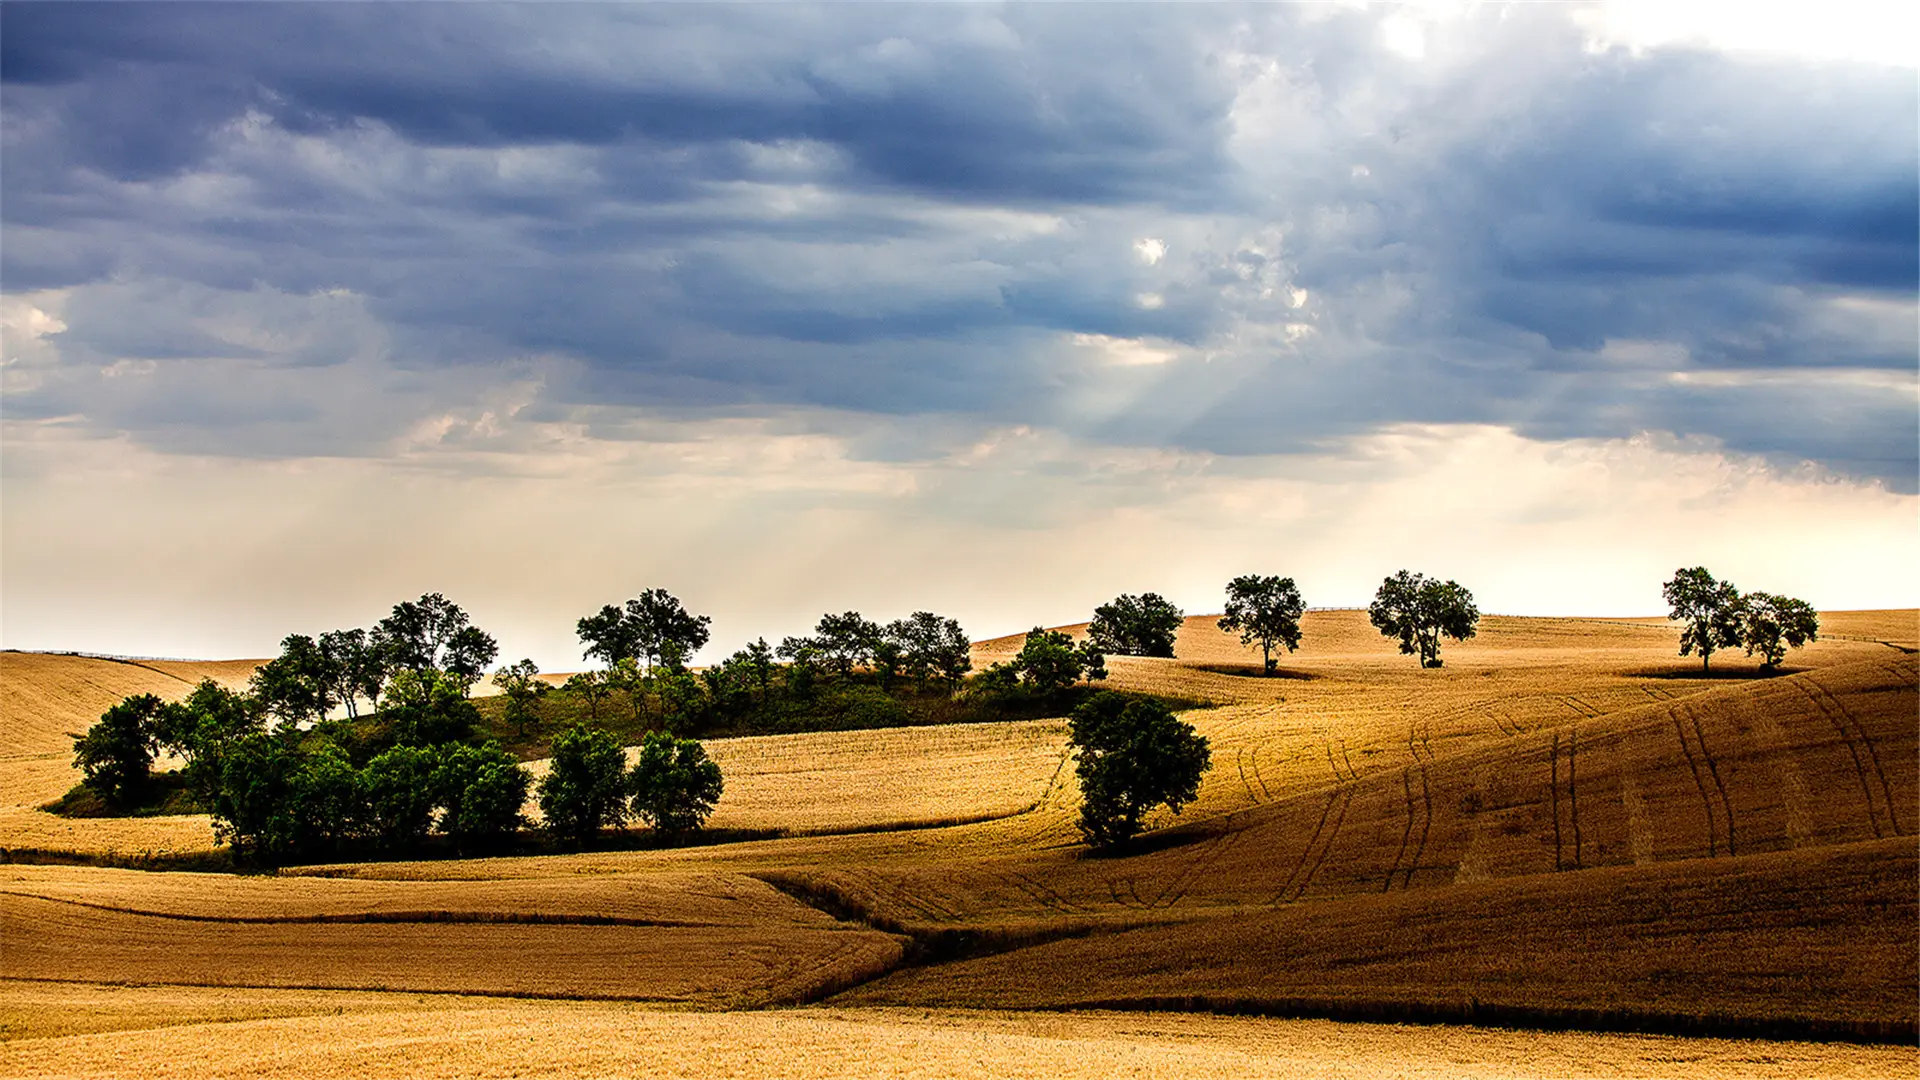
(1175, 890)
(1426, 828)
(1553, 791)
(1406, 834)
(1333, 814)
(1699, 783)
(1713, 772)
(1573, 794)
(1873, 753)
(1842, 729)
(1240, 762)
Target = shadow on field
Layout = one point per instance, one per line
(1692, 672)
(1168, 839)
(1252, 671)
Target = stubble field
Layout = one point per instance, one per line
(1567, 825)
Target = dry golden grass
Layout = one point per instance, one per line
(667, 899)
(56, 1010)
(1821, 936)
(740, 962)
(842, 781)
(176, 1034)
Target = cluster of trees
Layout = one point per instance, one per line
(281, 793)
(1048, 662)
(409, 764)
(645, 645)
(672, 786)
(428, 639)
(1715, 615)
(283, 781)
(1265, 610)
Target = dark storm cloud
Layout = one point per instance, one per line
(907, 211)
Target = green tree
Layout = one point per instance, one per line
(299, 685)
(1266, 610)
(1709, 612)
(930, 647)
(585, 788)
(434, 634)
(1049, 661)
(400, 796)
(683, 701)
(1771, 624)
(845, 642)
(523, 689)
(326, 802)
(1143, 625)
(674, 783)
(116, 754)
(1420, 610)
(200, 728)
(354, 668)
(483, 791)
(591, 685)
(251, 808)
(429, 706)
(1134, 755)
(646, 630)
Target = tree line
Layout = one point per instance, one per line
(407, 763)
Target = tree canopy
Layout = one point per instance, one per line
(1134, 755)
(674, 783)
(1708, 611)
(1771, 624)
(1143, 625)
(653, 628)
(1266, 610)
(434, 634)
(585, 787)
(1420, 610)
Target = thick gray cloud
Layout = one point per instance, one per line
(296, 229)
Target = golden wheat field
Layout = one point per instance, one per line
(85, 1031)
(1566, 825)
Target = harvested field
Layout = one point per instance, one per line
(1826, 940)
(522, 953)
(888, 778)
(350, 1035)
(1567, 822)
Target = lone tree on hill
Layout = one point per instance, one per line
(1266, 610)
(1134, 755)
(1770, 624)
(586, 788)
(1709, 612)
(1142, 625)
(1419, 610)
(653, 628)
(674, 782)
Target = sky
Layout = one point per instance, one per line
(995, 311)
